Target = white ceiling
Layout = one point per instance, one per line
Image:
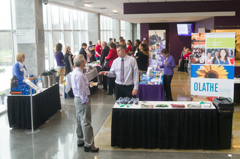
(140, 18)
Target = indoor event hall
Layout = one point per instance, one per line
(120, 79)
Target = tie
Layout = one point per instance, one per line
(122, 71)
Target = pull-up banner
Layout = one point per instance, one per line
(212, 69)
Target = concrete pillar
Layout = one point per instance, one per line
(29, 16)
(93, 27)
(134, 32)
(115, 29)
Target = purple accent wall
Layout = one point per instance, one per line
(178, 7)
(228, 22)
(144, 27)
(206, 23)
(177, 42)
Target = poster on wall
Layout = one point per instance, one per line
(156, 42)
(215, 76)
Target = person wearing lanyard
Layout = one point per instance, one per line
(125, 69)
(168, 65)
(19, 70)
(81, 92)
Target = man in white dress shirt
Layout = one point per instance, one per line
(80, 86)
(125, 69)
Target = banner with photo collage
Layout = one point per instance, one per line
(212, 64)
(157, 42)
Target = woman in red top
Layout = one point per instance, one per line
(184, 62)
(129, 48)
(98, 50)
(111, 57)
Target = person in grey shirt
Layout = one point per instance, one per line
(125, 69)
(81, 92)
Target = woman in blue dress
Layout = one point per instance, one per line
(19, 69)
(224, 59)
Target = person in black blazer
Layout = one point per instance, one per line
(135, 48)
(142, 58)
(104, 53)
(68, 59)
(82, 50)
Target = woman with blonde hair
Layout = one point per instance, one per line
(19, 69)
(98, 50)
(68, 59)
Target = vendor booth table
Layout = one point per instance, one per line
(164, 128)
(45, 105)
(151, 92)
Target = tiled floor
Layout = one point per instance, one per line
(57, 138)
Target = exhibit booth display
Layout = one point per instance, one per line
(212, 68)
(157, 42)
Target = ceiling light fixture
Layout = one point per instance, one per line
(115, 11)
(87, 5)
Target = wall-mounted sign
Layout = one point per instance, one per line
(26, 36)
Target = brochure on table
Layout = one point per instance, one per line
(212, 69)
(162, 105)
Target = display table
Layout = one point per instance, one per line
(45, 105)
(151, 92)
(91, 76)
(164, 128)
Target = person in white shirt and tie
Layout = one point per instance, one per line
(125, 69)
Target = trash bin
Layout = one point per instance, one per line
(225, 109)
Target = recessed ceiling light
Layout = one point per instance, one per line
(115, 11)
(87, 5)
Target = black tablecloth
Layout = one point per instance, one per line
(165, 128)
(45, 104)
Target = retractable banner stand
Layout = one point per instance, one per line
(157, 42)
(212, 69)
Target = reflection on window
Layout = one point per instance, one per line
(6, 63)
(105, 28)
(55, 17)
(5, 15)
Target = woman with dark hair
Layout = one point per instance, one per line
(217, 56)
(168, 65)
(224, 59)
(111, 57)
(135, 48)
(142, 58)
(60, 62)
(129, 47)
(130, 42)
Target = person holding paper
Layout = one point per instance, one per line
(19, 69)
(125, 69)
(81, 92)
(168, 65)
